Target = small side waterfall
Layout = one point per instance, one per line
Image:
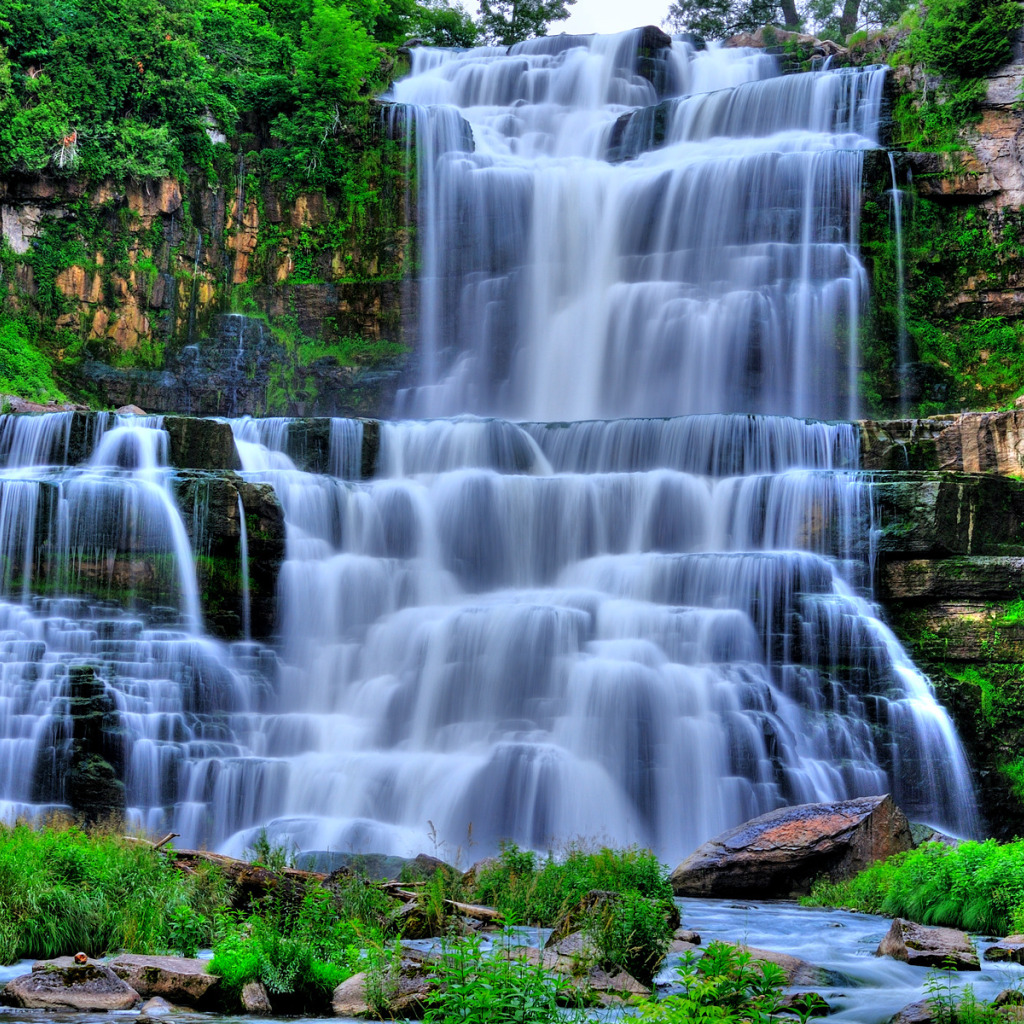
(903, 339)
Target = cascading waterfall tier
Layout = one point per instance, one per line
(714, 271)
(634, 630)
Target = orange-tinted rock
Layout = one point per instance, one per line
(781, 853)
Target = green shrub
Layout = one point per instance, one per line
(724, 986)
(496, 986)
(632, 933)
(966, 38)
(529, 892)
(300, 959)
(25, 370)
(976, 886)
(62, 891)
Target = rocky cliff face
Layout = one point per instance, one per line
(135, 282)
(950, 573)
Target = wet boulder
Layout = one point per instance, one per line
(922, 1012)
(255, 999)
(780, 854)
(1010, 949)
(921, 946)
(406, 992)
(201, 443)
(64, 984)
(796, 970)
(177, 979)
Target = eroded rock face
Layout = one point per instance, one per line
(921, 946)
(974, 442)
(62, 984)
(780, 854)
(177, 979)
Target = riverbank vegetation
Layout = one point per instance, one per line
(974, 886)
(65, 890)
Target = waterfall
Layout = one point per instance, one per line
(715, 271)
(616, 586)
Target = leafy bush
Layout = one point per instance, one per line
(976, 886)
(24, 370)
(496, 986)
(966, 38)
(632, 933)
(300, 959)
(724, 985)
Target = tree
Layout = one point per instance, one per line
(505, 22)
(838, 19)
(718, 19)
(446, 24)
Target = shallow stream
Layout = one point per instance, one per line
(870, 989)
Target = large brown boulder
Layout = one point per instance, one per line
(780, 854)
(175, 978)
(63, 984)
(921, 946)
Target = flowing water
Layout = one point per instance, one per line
(633, 630)
(715, 271)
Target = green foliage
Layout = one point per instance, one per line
(500, 986)
(633, 933)
(966, 38)
(717, 19)
(444, 23)
(505, 22)
(976, 886)
(723, 986)
(62, 891)
(529, 892)
(300, 958)
(1014, 773)
(951, 1004)
(961, 40)
(24, 369)
(130, 91)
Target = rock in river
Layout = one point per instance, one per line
(920, 946)
(781, 853)
(62, 984)
(175, 978)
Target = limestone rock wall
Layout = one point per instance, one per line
(130, 285)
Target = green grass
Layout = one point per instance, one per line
(528, 890)
(62, 890)
(977, 886)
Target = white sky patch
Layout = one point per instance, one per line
(606, 15)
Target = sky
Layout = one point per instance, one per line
(606, 15)
(611, 15)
